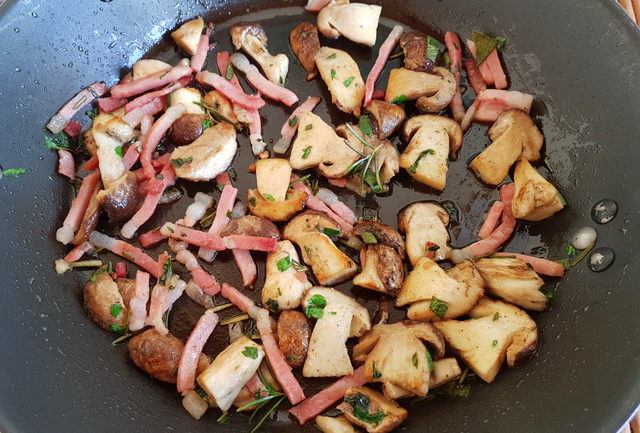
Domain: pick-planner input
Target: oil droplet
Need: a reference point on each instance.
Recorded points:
(16, 29)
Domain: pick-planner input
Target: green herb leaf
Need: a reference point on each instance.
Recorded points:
(300, 179)
(370, 214)
(376, 373)
(284, 263)
(434, 247)
(433, 48)
(548, 293)
(438, 307)
(333, 74)
(232, 173)
(97, 272)
(414, 167)
(446, 59)
(315, 306)
(229, 214)
(224, 418)
(117, 328)
(330, 232)
(206, 123)
(272, 304)
(561, 198)
(293, 121)
(13, 172)
(398, 99)
(119, 151)
(179, 162)
(485, 44)
(269, 197)
(167, 272)
(292, 357)
(360, 404)
(91, 113)
(252, 201)
(309, 127)
(229, 72)
(452, 210)
(332, 56)
(348, 81)
(306, 152)
(115, 309)
(496, 316)
(429, 361)
(414, 360)
(454, 389)
(59, 141)
(369, 238)
(494, 343)
(250, 352)
(571, 251)
(365, 125)
(281, 80)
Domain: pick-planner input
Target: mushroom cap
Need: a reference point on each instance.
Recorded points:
(99, 296)
(382, 270)
(251, 225)
(444, 95)
(450, 126)
(409, 85)
(305, 44)
(244, 33)
(394, 414)
(414, 46)
(121, 198)
(384, 234)
(531, 138)
(187, 128)
(283, 288)
(535, 197)
(388, 117)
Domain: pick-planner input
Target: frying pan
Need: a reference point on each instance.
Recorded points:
(581, 59)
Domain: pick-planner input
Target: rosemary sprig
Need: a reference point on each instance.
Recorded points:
(362, 166)
(261, 401)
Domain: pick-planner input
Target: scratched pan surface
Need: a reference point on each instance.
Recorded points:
(59, 372)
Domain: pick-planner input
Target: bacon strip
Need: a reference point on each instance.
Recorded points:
(194, 237)
(66, 164)
(84, 97)
(261, 83)
(78, 251)
(455, 52)
(499, 77)
(474, 76)
(135, 116)
(121, 269)
(385, 51)
(147, 98)
(91, 164)
(491, 220)
(138, 303)
(110, 104)
(288, 130)
(314, 406)
(315, 203)
(246, 265)
(541, 266)
(73, 129)
(157, 131)
(483, 67)
(79, 205)
(131, 155)
(227, 199)
(253, 243)
(492, 102)
(206, 281)
(127, 251)
(144, 84)
(255, 133)
(158, 299)
(251, 102)
(150, 238)
(192, 350)
(198, 59)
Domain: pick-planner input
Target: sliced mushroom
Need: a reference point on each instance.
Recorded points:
(251, 225)
(355, 21)
(329, 264)
(187, 128)
(231, 370)
(342, 76)
(284, 285)
(105, 304)
(513, 134)
(293, 203)
(425, 227)
(121, 198)
(387, 117)
(414, 47)
(340, 318)
(208, 156)
(384, 414)
(272, 178)
(190, 98)
(187, 36)
(305, 44)
(433, 92)
(293, 337)
(337, 424)
(220, 108)
(395, 354)
(514, 281)
(458, 288)
(498, 330)
(536, 198)
(159, 355)
(444, 370)
(382, 234)
(450, 126)
(145, 67)
(252, 38)
(318, 145)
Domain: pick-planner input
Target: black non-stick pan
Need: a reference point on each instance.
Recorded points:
(581, 60)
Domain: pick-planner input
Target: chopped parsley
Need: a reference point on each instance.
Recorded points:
(129, 256)
(229, 214)
(438, 307)
(59, 141)
(361, 404)
(496, 316)
(398, 99)
(494, 343)
(91, 114)
(179, 162)
(119, 151)
(252, 201)
(250, 352)
(220, 186)
(348, 81)
(117, 328)
(446, 59)
(332, 56)
(571, 251)
(309, 127)
(293, 121)
(306, 152)
(333, 74)
(269, 197)
(376, 374)
(272, 304)
(433, 48)
(232, 173)
(330, 232)
(365, 125)
(281, 80)
(452, 210)
(414, 167)
(432, 247)
(206, 123)
(486, 44)
(315, 306)
(13, 172)
(369, 238)
(548, 293)
(167, 272)
(97, 272)
(115, 309)
(229, 72)
(429, 361)
(454, 389)
(414, 360)
(284, 263)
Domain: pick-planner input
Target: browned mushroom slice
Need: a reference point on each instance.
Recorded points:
(371, 410)
(121, 198)
(220, 108)
(536, 198)
(188, 34)
(293, 337)
(450, 126)
(425, 227)
(414, 46)
(305, 44)
(432, 91)
(382, 270)
(293, 203)
(284, 285)
(387, 117)
(90, 218)
(380, 233)
(252, 38)
(444, 95)
(251, 225)
(355, 21)
(187, 128)
(104, 302)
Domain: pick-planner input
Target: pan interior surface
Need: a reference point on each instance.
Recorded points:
(60, 372)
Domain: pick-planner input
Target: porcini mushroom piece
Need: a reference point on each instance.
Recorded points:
(444, 370)
(284, 285)
(355, 21)
(514, 281)
(450, 126)
(387, 117)
(220, 108)
(272, 178)
(252, 38)
(425, 227)
(145, 67)
(293, 203)
(395, 354)
(426, 157)
(251, 225)
(208, 156)
(498, 330)
(536, 198)
(293, 337)
(337, 424)
(414, 47)
(433, 91)
(190, 98)
(380, 234)
(309, 231)
(305, 44)
(339, 317)
(513, 134)
(342, 76)
(459, 289)
(187, 36)
(121, 198)
(444, 95)
(187, 128)
(104, 303)
(318, 145)
(371, 410)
